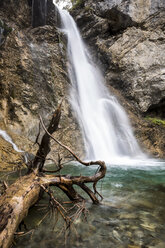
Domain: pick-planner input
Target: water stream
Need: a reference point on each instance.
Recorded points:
(131, 214)
(6, 137)
(105, 126)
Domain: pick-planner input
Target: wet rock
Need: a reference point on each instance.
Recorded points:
(1, 35)
(53, 17)
(158, 245)
(39, 11)
(9, 158)
(134, 246)
(128, 216)
(33, 78)
(139, 234)
(149, 226)
(116, 235)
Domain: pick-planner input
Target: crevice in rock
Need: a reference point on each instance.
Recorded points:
(118, 21)
(157, 110)
(30, 3)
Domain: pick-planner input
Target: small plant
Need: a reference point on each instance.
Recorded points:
(156, 121)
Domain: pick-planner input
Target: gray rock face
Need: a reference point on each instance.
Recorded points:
(140, 55)
(33, 79)
(130, 42)
(137, 10)
(39, 12)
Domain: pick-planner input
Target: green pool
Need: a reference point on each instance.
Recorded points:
(132, 213)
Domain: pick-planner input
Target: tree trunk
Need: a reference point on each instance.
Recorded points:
(14, 206)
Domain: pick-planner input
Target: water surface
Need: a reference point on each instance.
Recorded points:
(132, 213)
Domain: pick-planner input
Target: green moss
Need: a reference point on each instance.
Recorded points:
(156, 121)
(77, 4)
(88, 8)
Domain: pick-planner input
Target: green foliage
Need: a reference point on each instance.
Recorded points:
(156, 121)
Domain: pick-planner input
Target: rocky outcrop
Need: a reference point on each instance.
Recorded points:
(127, 40)
(9, 158)
(139, 54)
(130, 41)
(33, 77)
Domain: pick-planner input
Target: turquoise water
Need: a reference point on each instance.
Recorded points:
(132, 213)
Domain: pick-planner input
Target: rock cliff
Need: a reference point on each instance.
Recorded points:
(33, 75)
(127, 39)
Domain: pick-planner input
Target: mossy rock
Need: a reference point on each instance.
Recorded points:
(156, 121)
(77, 4)
(88, 8)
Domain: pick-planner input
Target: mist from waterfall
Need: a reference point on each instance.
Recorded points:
(106, 129)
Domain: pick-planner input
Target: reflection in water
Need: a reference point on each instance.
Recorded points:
(131, 214)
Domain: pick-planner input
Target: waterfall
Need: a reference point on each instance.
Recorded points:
(6, 137)
(106, 129)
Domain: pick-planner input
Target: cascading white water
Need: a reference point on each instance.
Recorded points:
(6, 137)
(105, 126)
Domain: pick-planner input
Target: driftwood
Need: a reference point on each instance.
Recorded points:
(24, 193)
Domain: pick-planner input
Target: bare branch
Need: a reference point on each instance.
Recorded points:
(44, 147)
(37, 137)
(100, 174)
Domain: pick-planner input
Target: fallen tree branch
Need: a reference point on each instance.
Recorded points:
(24, 193)
(99, 175)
